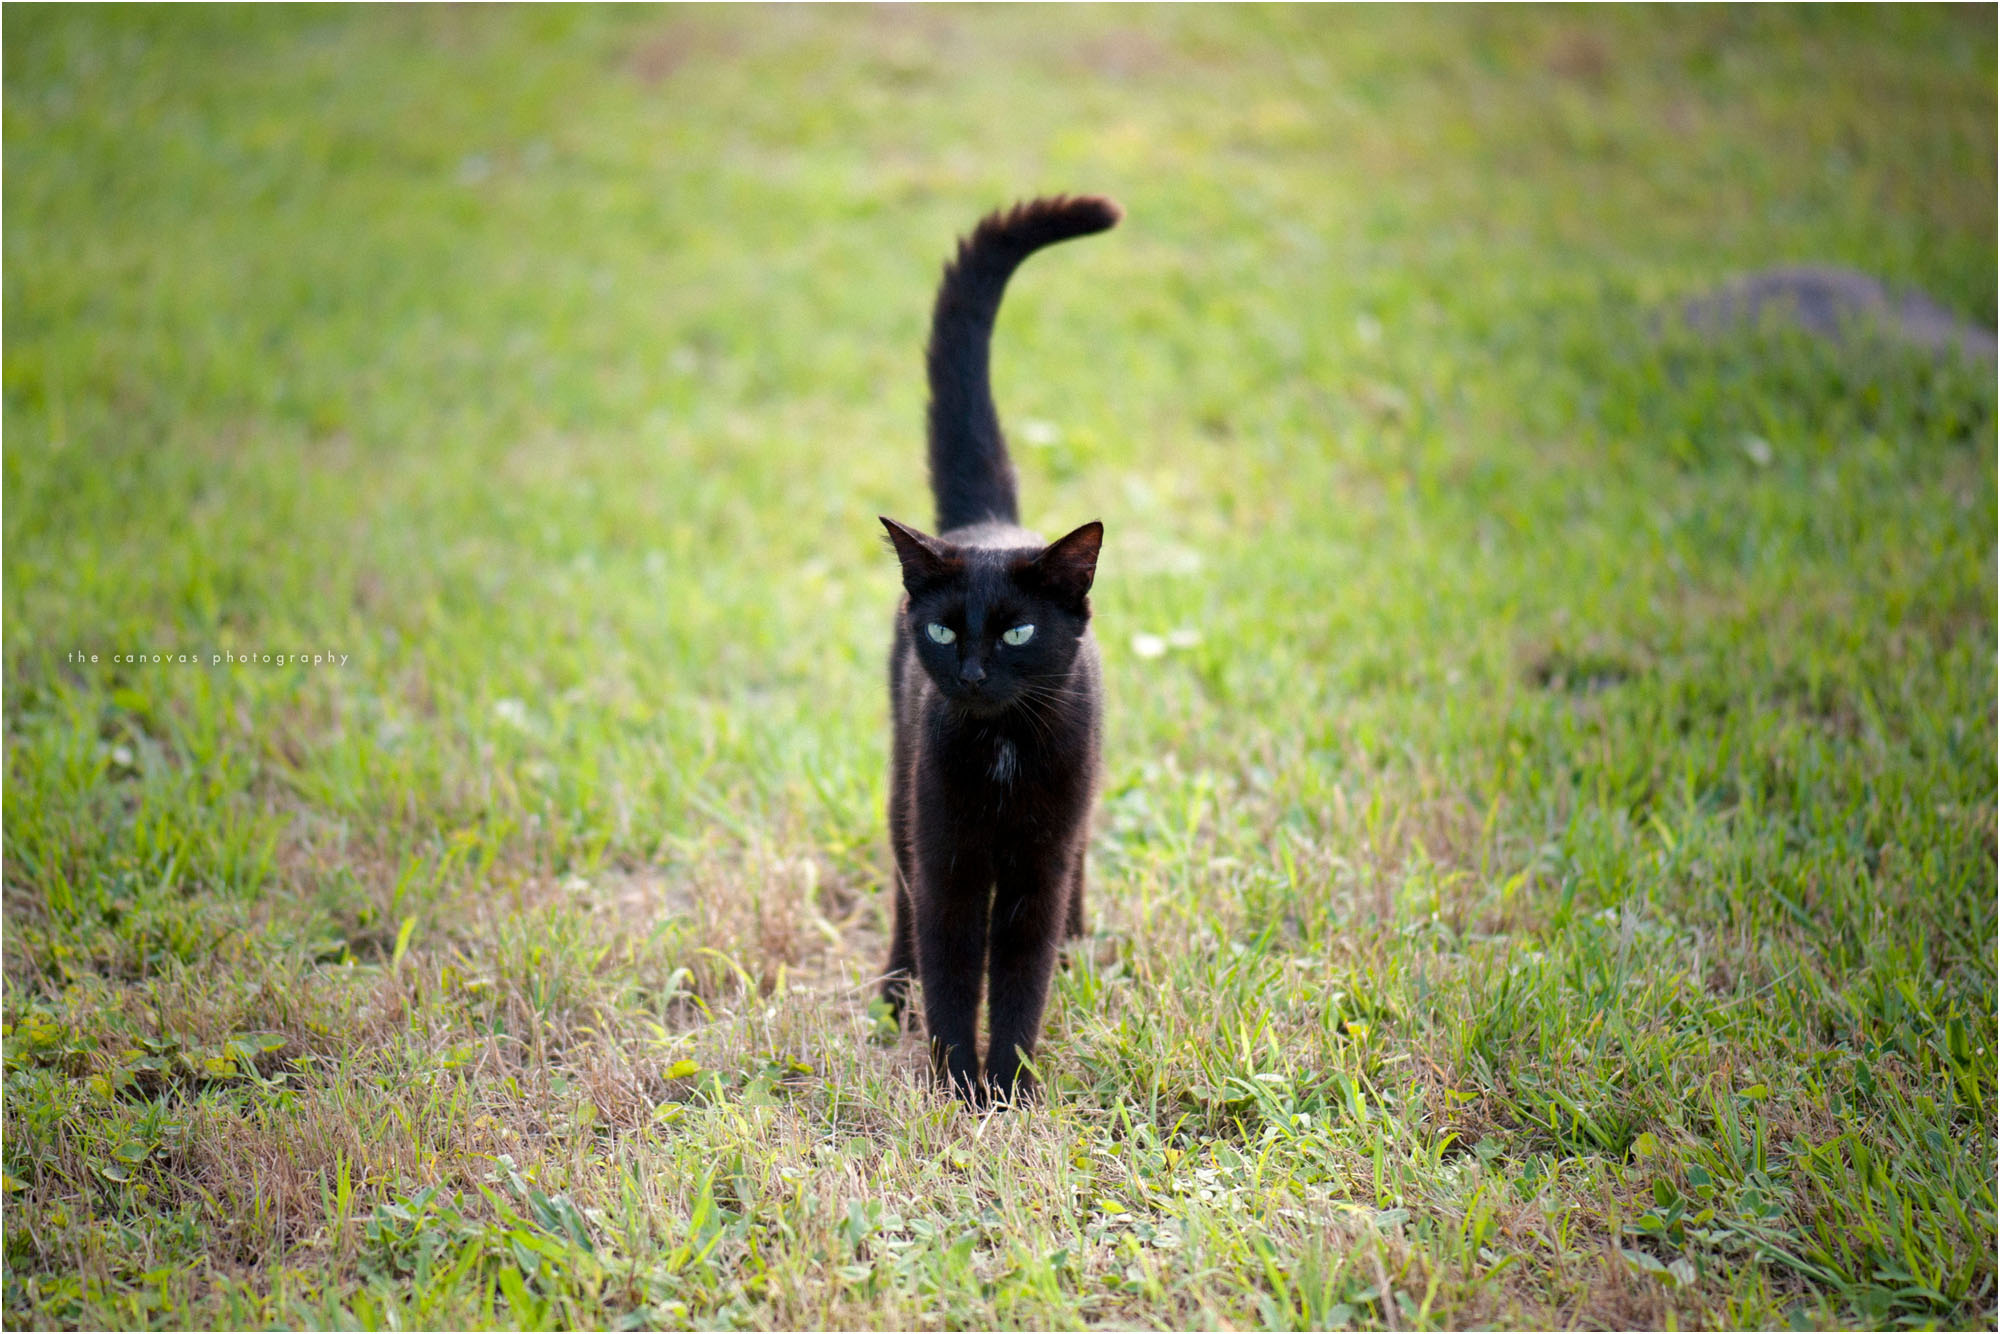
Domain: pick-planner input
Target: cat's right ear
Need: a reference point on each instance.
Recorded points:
(927, 561)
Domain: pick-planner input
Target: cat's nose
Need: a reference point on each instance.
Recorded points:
(971, 672)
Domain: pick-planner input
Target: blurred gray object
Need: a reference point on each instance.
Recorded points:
(1835, 303)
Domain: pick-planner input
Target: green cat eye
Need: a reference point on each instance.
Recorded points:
(1020, 634)
(939, 634)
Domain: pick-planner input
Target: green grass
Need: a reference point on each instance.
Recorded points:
(1554, 887)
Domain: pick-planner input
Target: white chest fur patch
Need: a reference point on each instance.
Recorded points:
(1004, 763)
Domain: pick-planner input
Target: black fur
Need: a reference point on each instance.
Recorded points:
(995, 747)
(970, 474)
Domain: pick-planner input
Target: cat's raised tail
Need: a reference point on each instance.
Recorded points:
(970, 472)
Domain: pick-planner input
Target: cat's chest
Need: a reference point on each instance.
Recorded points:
(997, 763)
(1006, 762)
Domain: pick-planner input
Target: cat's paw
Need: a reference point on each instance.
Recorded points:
(1017, 1090)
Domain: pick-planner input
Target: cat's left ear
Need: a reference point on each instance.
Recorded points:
(1067, 565)
(927, 561)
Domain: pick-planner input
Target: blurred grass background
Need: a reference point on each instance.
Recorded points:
(1571, 788)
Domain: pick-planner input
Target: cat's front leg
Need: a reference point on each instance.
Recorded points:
(1030, 910)
(951, 898)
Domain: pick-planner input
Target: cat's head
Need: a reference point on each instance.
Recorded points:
(997, 627)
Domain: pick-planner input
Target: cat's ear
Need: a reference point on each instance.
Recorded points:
(927, 561)
(1067, 565)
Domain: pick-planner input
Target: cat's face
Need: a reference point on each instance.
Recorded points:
(997, 629)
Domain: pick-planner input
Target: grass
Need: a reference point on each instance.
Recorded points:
(1549, 880)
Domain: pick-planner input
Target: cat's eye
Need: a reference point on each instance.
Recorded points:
(1019, 635)
(939, 634)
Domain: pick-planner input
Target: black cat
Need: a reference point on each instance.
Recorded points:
(993, 683)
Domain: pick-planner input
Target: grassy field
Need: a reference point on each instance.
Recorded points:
(1545, 872)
